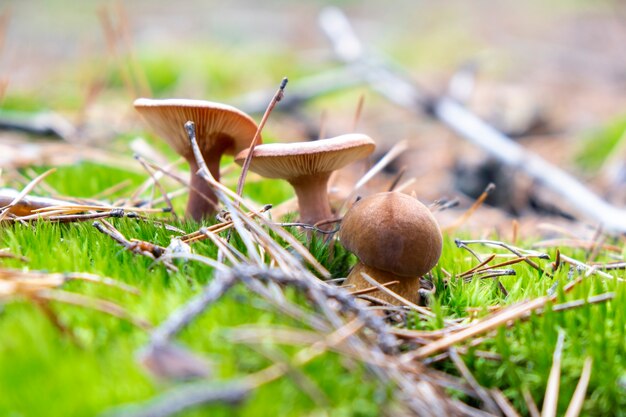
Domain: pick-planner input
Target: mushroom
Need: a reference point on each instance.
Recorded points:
(396, 238)
(220, 129)
(307, 167)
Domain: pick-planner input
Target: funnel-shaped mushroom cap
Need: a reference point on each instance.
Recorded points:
(393, 232)
(214, 122)
(302, 159)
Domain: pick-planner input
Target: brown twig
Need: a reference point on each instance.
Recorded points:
(246, 163)
(398, 87)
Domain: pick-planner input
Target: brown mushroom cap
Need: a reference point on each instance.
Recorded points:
(393, 232)
(214, 122)
(291, 161)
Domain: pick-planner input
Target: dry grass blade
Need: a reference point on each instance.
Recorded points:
(282, 335)
(397, 150)
(181, 317)
(576, 404)
(24, 193)
(551, 397)
(193, 257)
(158, 184)
(113, 189)
(219, 227)
(493, 267)
(491, 322)
(230, 392)
(482, 393)
(223, 193)
(304, 383)
(77, 208)
(358, 112)
(104, 280)
(480, 265)
(503, 403)
(372, 289)
(533, 411)
(470, 211)
(522, 253)
(588, 268)
(422, 310)
(5, 254)
(104, 306)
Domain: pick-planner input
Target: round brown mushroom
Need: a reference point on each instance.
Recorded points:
(220, 129)
(307, 167)
(396, 238)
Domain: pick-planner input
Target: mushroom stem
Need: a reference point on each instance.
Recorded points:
(408, 287)
(202, 202)
(312, 193)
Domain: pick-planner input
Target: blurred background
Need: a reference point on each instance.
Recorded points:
(551, 75)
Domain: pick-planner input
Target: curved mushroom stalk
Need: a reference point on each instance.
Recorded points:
(202, 201)
(407, 287)
(307, 166)
(312, 193)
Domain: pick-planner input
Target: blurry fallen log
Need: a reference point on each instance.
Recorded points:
(388, 80)
(28, 204)
(302, 91)
(42, 124)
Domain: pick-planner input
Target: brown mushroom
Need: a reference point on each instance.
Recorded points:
(396, 238)
(220, 129)
(307, 167)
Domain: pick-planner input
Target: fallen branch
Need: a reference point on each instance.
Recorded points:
(396, 86)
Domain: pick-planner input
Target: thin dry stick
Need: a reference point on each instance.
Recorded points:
(515, 250)
(234, 391)
(480, 327)
(576, 404)
(397, 150)
(397, 178)
(159, 185)
(583, 265)
(468, 213)
(180, 318)
(422, 310)
(503, 403)
(482, 393)
(282, 233)
(113, 189)
(357, 113)
(133, 62)
(304, 383)
(94, 303)
(222, 192)
(246, 163)
(480, 265)
(372, 289)
(551, 398)
(406, 184)
(323, 124)
(530, 403)
(111, 37)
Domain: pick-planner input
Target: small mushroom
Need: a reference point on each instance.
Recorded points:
(220, 129)
(396, 238)
(307, 167)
